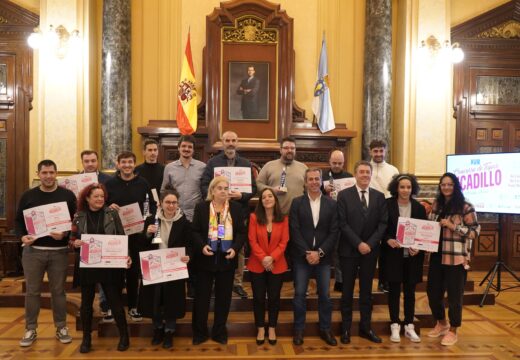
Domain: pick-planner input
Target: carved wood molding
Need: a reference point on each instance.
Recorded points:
(15, 19)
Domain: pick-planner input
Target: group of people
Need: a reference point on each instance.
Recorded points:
(300, 222)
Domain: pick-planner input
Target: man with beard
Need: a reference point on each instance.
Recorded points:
(184, 175)
(124, 189)
(336, 171)
(48, 254)
(150, 169)
(382, 173)
(286, 176)
(229, 158)
(362, 218)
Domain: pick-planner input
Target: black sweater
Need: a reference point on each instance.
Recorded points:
(36, 197)
(153, 173)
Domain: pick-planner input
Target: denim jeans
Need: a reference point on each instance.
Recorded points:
(302, 272)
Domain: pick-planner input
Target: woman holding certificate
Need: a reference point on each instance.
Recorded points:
(268, 237)
(403, 265)
(165, 302)
(218, 234)
(94, 217)
(447, 271)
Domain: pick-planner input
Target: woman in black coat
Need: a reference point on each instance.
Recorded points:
(404, 266)
(94, 217)
(218, 235)
(165, 302)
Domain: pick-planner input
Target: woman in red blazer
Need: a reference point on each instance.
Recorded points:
(268, 237)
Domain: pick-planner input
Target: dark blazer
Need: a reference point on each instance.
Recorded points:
(180, 236)
(262, 247)
(393, 258)
(303, 231)
(200, 227)
(355, 227)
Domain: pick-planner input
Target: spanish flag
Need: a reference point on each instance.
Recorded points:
(187, 95)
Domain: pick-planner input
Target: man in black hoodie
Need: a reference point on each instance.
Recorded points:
(124, 189)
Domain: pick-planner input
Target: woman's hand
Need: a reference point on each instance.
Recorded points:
(151, 229)
(447, 223)
(27, 240)
(267, 262)
(230, 254)
(412, 251)
(393, 243)
(185, 259)
(206, 250)
(128, 262)
(77, 243)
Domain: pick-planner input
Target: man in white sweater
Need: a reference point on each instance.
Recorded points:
(382, 172)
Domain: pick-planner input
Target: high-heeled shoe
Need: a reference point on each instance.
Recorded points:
(260, 341)
(271, 340)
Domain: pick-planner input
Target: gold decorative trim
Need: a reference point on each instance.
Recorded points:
(508, 30)
(3, 20)
(249, 29)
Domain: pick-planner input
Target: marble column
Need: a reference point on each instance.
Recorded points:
(116, 100)
(377, 101)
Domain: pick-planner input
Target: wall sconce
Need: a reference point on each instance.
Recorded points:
(58, 39)
(434, 48)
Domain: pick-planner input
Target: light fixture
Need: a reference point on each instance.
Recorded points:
(57, 39)
(432, 47)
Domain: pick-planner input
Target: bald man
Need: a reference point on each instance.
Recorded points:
(229, 158)
(336, 171)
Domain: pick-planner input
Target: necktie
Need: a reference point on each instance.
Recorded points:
(364, 204)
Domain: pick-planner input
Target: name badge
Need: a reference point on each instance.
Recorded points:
(220, 231)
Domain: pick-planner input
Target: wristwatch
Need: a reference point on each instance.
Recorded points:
(321, 253)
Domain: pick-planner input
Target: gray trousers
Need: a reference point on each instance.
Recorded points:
(35, 263)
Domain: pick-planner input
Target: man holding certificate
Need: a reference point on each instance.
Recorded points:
(44, 254)
(230, 159)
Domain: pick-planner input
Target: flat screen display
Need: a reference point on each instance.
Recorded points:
(491, 182)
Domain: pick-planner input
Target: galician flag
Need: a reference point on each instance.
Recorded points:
(187, 95)
(321, 105)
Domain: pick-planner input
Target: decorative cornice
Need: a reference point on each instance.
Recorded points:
(249, 29)
(507, 30)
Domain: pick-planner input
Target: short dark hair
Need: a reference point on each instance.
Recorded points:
(149, 142)
(186, 138)
(125, 155)
(88, 152)
(362, 162)
(261, 217)
(312, 169)
(47, 162)
(377, 143)
(393, 186)
(287, 139)
(168, 190)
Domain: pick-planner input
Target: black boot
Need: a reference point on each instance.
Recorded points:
(124, 341)
(86, 343)
(168, 340)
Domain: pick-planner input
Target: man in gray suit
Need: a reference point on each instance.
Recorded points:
(362, 220)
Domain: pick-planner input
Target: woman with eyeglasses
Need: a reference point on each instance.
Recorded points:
(404, 266)
(94, 217)
(165, 302)
(447, 271)
(218, 234)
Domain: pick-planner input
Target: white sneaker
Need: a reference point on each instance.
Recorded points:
(395, 329)
(108, 317)
(62, 334)
(28, 338)
(134, 315)
(409, 332)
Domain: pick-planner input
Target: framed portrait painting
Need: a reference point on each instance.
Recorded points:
(248, 91)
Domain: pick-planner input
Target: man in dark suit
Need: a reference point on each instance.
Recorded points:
(314, 232)
(248, 88)
(362, 217)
